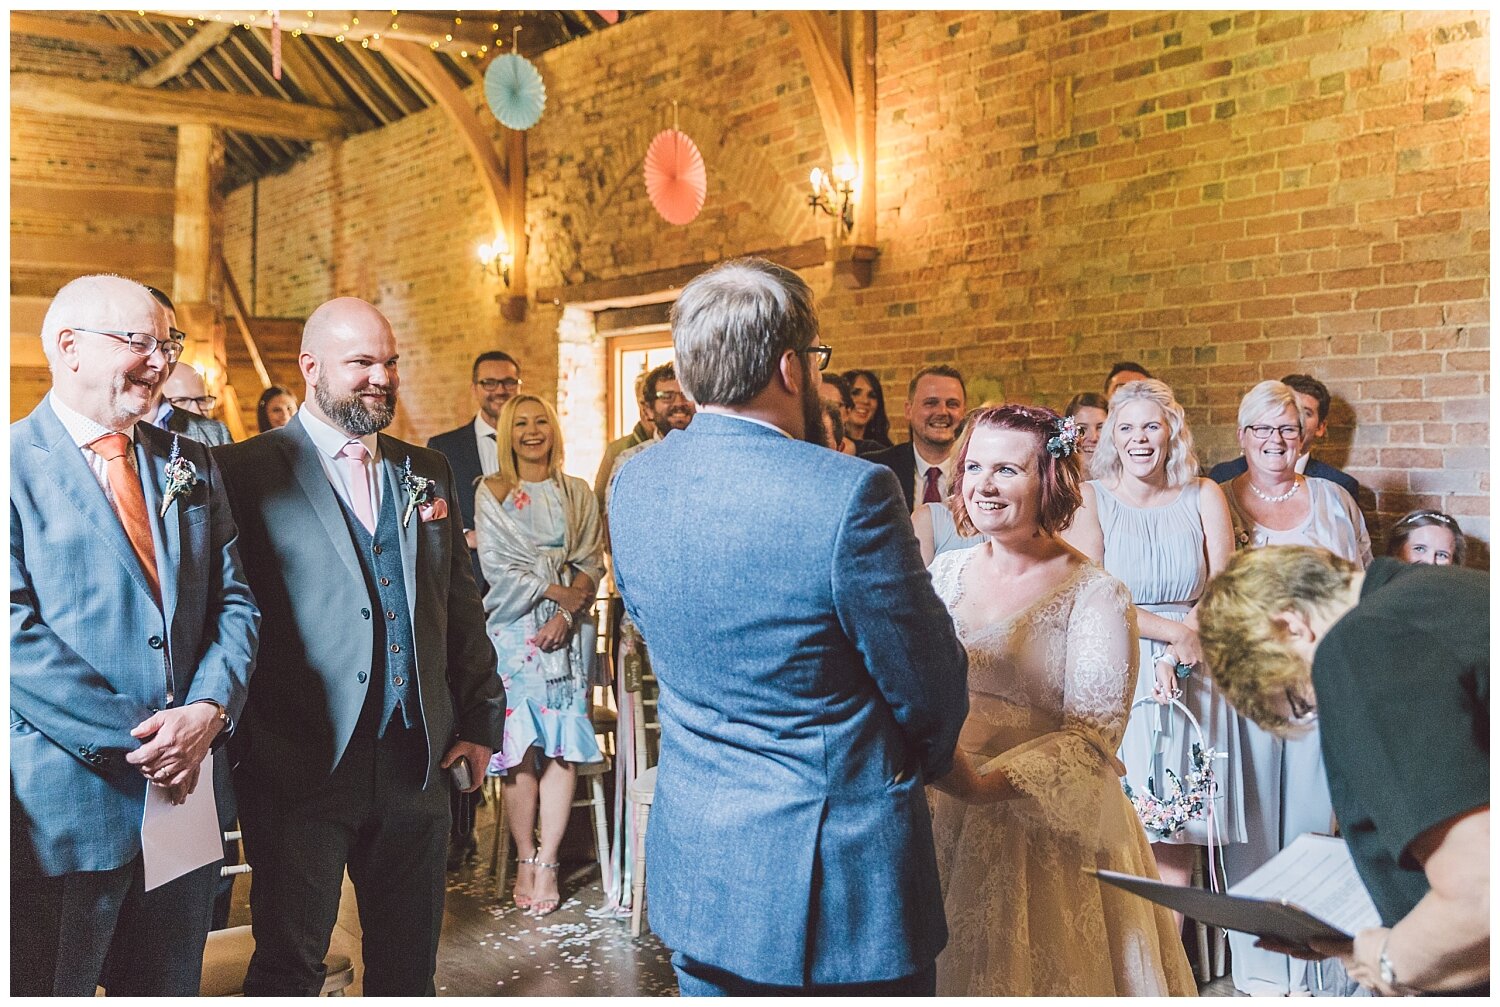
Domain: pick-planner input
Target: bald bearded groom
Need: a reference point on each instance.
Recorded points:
(378, 675)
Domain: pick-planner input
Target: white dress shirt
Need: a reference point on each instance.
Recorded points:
(945, 480)
(489, 451)
(330, 442)
(84, 432)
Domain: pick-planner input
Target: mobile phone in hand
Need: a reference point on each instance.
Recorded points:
(463, 776)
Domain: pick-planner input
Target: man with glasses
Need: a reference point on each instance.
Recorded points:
(183, 404)
(811, 681)
(1313, 402)
(671, 410)
(133, 634)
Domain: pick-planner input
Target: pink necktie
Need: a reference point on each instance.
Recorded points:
(931, 494)
(354, 455)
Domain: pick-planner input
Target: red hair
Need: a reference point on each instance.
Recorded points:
(1062, 478)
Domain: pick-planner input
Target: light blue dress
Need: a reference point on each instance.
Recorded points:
(1160, 555)
(548, 709)
(945, 534)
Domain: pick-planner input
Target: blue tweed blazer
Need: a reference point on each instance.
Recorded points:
(811, 683)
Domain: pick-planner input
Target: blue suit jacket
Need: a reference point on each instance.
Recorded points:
(811, 683)
(462, 452)
(1235, 467)
(91, 654)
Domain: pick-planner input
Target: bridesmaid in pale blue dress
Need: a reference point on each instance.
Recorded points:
(937, 533)
(541, 552)
(1286, 788)
(1152, 522)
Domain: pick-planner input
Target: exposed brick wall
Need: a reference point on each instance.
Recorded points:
(1227, 198)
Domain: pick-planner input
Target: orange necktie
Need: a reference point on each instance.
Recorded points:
(130, 503)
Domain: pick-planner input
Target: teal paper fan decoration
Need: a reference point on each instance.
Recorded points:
(514, 90)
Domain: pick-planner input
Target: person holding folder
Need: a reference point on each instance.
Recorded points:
(1392, 664)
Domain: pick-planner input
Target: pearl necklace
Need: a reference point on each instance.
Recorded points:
(1276, 499)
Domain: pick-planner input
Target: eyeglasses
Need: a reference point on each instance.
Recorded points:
(671, 397)
(144, 344)
(1263, 431)
(204, 402)
(490, 384)
(824, 354)
(1302, 710)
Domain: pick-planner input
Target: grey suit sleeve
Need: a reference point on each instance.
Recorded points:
(887, 607)
(54, 689)
(478, 695)
(223, 672)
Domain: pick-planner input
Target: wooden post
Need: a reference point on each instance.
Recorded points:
(513, 303)
(198, 240)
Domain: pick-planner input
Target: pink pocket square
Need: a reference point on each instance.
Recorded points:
(437, 510)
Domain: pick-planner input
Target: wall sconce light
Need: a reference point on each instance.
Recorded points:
(497, 258)
(834, 193)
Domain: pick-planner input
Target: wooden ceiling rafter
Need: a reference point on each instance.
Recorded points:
(281, 151)
(379, 79)
(180, 59)
(38, 24)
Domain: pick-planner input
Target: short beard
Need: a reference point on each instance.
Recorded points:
(812, 410)
(352, 415)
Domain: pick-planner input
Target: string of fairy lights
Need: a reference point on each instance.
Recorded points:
(288, 21)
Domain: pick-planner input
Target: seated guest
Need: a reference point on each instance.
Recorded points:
(275, 409)
(1427, 536)
(1052, 666)
(540, 546)
(1089, 410)
(1122, 373)
(867, 420)
(935, 403)
(1393, 665)
(1312, 401)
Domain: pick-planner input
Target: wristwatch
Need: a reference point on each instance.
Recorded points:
(1387, 970)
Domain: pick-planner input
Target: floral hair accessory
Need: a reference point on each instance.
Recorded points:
(1065, 441)
(418, 491)
(182, 476)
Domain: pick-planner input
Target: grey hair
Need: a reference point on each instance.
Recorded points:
(1269, 397)
(1182, 459)
(732, 324)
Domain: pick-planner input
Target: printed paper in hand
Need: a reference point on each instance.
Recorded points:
(1316, 873)
(178, 838)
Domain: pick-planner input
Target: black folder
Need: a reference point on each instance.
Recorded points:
(1275, 918)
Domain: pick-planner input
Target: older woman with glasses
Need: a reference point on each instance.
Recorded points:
(1392, 663)
(1426, 536)
(1286, 792)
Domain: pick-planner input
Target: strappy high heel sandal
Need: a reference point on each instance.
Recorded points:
(545, 907)
(522, 901)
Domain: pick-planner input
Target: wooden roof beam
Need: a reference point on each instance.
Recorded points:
(41, 26)
(91, 99)
(419, 27)
(177, 63)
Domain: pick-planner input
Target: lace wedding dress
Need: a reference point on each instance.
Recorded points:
(1049, 692)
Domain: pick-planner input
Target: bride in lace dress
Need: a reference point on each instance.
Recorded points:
(1052, 667)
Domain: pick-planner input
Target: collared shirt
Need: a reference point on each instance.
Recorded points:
(944, 481)
(763, 423)
(1302, 461)
(489, 451)
(84, 432)
(330, 442)
(164, 411)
